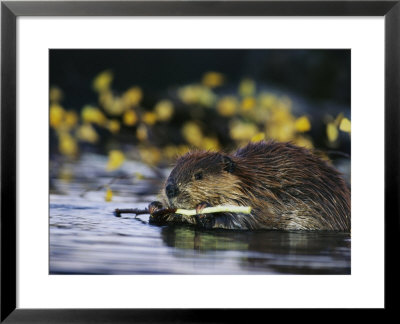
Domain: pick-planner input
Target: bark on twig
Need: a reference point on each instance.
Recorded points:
(186, 212)
(137, 211)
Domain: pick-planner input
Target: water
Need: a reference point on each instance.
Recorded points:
(86, 238)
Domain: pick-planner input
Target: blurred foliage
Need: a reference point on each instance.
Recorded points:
(194, 115)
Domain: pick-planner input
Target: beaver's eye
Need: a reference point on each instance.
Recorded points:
(198, 175)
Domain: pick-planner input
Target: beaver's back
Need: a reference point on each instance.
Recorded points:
(291, 188)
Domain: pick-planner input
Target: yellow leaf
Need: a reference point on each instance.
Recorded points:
(282, 132)
(141, 132)
(302, 124)
(243, 131)
(210, 144)
(67, 145)
(109, 194)
(282, 116)
(106, 100)
(206, 97)
(55, 94)
(113, 126)
(133, 96)
(304, 142)
(247, 88)
(164, 110)
(345, 125)
(192, 133)
(115, 159)
(213, 79)
(71, 118)
(87, 133)
(103, 81)
(196, 94)
(92, 114)
(248, 103)
(149, 118)
(188, 94)
(116, 107)
(267, 100)
(150, 155)
(227, 106)
(338, 119)
(332, 132)
(258, 137)
(130, 117)
(56, 115)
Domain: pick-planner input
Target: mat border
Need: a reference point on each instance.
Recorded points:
(10, 10)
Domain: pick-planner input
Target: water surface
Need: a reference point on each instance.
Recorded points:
(86, 238)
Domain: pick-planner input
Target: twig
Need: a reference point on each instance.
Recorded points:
(137, 211)
(216, 209)
(118, 212)
(186, 212)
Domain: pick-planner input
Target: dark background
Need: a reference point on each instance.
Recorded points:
(318, 75)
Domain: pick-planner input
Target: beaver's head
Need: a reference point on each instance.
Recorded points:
(203, 177)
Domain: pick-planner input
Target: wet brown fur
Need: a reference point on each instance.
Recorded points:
(288, 188)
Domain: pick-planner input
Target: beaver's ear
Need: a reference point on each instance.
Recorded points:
(229, 165)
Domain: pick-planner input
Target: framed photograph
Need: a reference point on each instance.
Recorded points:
(177, 155)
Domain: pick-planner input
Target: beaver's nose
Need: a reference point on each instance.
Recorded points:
(171, 190)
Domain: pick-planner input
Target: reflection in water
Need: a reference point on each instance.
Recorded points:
(85, 237)
(284, 252)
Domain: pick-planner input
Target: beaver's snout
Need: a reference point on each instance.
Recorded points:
(171, 190)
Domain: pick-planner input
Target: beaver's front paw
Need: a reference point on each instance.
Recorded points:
(155, 206)
(204, 220)
(201, 206)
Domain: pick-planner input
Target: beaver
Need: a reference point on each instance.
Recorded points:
(288, 188)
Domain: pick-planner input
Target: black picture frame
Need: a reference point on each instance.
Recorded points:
(10, 10)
